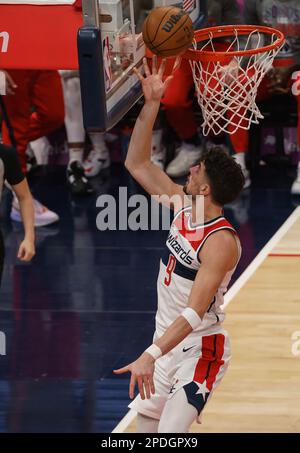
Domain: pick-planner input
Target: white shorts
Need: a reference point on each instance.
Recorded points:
(197, 365)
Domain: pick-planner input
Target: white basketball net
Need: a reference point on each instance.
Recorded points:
(227, 92)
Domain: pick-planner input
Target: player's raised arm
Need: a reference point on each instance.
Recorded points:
(138, 162)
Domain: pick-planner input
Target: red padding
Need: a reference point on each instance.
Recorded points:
(40, 37)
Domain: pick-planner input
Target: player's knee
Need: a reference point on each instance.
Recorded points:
(174, 425)
(178, 414)
(177, 422)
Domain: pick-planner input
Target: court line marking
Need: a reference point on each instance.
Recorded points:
(125, 422)
(232, 292)
(284, 255)
(262, 255)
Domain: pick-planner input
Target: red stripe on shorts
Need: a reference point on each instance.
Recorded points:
(217, 363)
(210, 361)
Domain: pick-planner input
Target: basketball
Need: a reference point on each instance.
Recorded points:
(168, 31)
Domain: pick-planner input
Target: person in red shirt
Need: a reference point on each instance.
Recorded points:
(35, 107)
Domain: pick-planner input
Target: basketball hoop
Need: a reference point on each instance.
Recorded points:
(227, 73)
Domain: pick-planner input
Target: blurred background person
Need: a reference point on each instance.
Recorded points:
(35, 108)
(98, 159)
(283, 15)
(11, 172)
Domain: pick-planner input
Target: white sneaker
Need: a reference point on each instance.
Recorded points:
(187, 156)
(95, 162)
(247, 178)
(159, 160)
(31, 162)
(158, 156)
(240, 158)
(41, 149)
(158, 151)
(295, 190)
(42, 215)
(240, 208)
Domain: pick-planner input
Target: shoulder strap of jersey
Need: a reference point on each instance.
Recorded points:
(221, 224)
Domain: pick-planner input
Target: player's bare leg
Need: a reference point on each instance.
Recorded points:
(146, 424)
(178, 414)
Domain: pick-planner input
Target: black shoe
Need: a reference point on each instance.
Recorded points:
(78, 183)
(31, 162)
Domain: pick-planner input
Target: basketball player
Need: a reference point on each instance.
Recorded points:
(177, 374)
(10, 170)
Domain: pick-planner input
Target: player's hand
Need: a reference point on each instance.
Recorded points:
(10, 84)
(26, 250)
(142, 371)
(153, 84)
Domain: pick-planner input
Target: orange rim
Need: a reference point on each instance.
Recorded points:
(229, 30)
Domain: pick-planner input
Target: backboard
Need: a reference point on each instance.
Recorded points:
(116, 47)
(42, 34)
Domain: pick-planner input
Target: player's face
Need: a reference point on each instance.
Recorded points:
(196, 180)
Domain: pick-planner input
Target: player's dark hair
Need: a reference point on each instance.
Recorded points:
(225, 175)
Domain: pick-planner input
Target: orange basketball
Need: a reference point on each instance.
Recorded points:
(168, 31)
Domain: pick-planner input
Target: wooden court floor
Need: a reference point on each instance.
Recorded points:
(261, 391)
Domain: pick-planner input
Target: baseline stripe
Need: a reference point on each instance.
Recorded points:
(258, 260)
(289, 255)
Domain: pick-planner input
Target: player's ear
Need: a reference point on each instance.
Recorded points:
(205, 189)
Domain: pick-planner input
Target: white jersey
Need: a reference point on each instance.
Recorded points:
(178, 269)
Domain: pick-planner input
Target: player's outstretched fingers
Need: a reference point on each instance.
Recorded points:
(152, 386)
(146, 67)
(141, 387)
(125, 369)
(177, 63)
(132, 386)
(162, 68)
(167, 81)
(147, 387)
(138, 74)
(154, 65)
